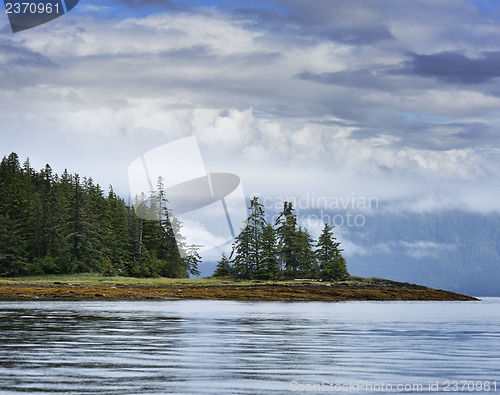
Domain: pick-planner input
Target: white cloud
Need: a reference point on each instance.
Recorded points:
(119, 87)
(416, 249)
(421, 249)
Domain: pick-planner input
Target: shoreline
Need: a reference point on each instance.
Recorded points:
(366, 290)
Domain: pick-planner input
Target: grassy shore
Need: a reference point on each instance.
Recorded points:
(99, 279)
(98, 287)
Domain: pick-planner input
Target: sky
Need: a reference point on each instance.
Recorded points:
(388, 99)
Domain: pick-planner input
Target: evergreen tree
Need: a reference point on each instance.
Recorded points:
(45, 212)
(13, 260)
(13, 227)
(173, 262)
(116, 238)
(136, 220)
(85, 244)
(288, 248)
(65, 224)
(240, 255)
(247, 247)
(332, 263)
(161, 250)
(192, 260)
(307, 263)
(223, 268)
(269, 266)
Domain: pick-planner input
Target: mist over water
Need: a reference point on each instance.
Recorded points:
(244, 347)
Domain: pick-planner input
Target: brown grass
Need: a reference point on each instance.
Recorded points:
(359, 289)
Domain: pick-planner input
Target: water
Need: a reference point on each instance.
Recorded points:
(214, 347)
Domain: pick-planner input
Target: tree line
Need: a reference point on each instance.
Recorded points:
(282, 251)
(56, 224)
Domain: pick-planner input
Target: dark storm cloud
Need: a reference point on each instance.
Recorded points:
(357, 78)
(157, 4)
(207, 55)
(455, 67)
(353, 22)
(448, 136)
(431, 136)
(477, 133)
(19, 56)
(22, 67)
(196, 52)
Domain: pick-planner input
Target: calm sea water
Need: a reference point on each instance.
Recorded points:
(213, 347)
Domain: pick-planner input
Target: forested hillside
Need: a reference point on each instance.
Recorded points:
(52, 224)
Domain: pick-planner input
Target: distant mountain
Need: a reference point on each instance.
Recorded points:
(453, 250)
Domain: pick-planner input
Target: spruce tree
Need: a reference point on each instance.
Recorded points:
(240, 255)
(176, 262)
(13, 227)
(307, 263)
(64, 224)
(332, 263)
(117, 241)
(247, 246)
(192, 260)
(286, 231)
(223, 268)
(269, 267)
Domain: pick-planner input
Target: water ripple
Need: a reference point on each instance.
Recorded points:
(241, 348)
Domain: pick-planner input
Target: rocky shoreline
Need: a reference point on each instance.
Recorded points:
(366, 290)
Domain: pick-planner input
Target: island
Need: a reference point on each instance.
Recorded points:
(62, 237)
(116, 288)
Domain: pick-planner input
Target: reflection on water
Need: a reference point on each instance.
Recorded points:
(242, 347)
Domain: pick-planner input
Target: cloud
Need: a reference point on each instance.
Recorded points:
(21, 66)
(455, 67)
(376, 97)
(164, 4)
(364, 79)
(418, 249)
(424, 248)
(337, 21)
(15, 56)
